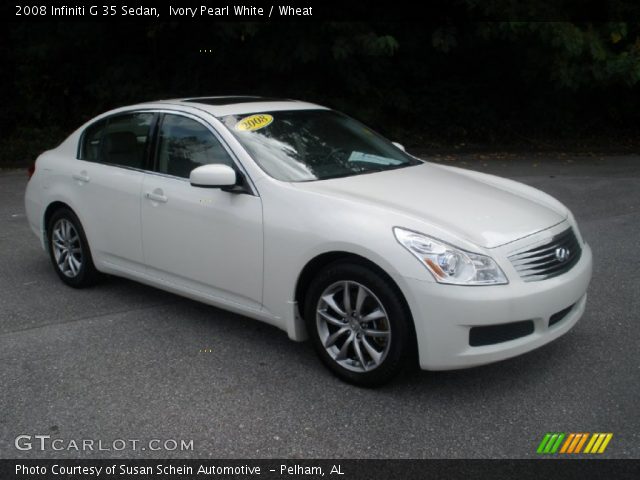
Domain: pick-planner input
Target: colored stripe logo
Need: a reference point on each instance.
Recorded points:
(572, 443)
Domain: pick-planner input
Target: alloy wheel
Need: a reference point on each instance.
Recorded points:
(67, 248)
(353, 326)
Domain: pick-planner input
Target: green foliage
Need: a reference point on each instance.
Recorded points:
(438, 83)
(580, 55)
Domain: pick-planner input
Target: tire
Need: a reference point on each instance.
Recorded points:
(65, 234)
(375, 321)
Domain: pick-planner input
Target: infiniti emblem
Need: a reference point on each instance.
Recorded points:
(562, 254)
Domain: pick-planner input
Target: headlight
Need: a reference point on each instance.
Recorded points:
(449, 264)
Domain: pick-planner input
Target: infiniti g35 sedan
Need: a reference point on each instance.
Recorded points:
(300, 216)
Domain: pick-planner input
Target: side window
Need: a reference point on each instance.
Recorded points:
(184, 144)
(120, 140)
(91, 141)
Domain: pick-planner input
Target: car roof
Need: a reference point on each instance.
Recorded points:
(219, 106)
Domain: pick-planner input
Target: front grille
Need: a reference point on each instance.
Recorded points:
(550, 259)
(492, 334)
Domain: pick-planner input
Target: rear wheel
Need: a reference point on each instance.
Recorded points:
(69, 250)
(359, 326)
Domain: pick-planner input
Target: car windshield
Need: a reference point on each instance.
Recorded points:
(305, 145)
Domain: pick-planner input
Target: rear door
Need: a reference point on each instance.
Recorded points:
(108, 179)
(204, 240)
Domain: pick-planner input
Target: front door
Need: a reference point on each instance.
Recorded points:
(203, 239)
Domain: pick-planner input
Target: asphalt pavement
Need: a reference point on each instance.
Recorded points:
(130, 362)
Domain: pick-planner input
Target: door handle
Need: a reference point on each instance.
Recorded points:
(81, 177)
(156, 197)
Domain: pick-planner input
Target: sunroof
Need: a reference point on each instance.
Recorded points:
(229, 100)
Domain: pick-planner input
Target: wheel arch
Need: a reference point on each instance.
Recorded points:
(316, 264)
(48, 213)
(52, 208)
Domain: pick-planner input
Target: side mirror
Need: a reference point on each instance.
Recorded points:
(213, 176)
(400, 146)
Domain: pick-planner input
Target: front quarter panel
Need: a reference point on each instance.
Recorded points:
(293, 237)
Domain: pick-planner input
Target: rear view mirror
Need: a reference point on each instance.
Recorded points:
(213, 176)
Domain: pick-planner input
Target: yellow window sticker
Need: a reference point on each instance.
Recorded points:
(254, 122)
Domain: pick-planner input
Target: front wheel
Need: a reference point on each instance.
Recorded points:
(358, 324)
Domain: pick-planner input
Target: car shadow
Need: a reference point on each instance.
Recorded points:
(265, 344)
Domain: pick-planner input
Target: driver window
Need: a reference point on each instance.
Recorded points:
(184, 144)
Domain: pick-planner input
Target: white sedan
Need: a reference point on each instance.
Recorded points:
(299, 216)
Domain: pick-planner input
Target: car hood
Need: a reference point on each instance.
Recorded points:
(485, 210)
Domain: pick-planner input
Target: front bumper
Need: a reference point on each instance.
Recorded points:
(444, 315)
